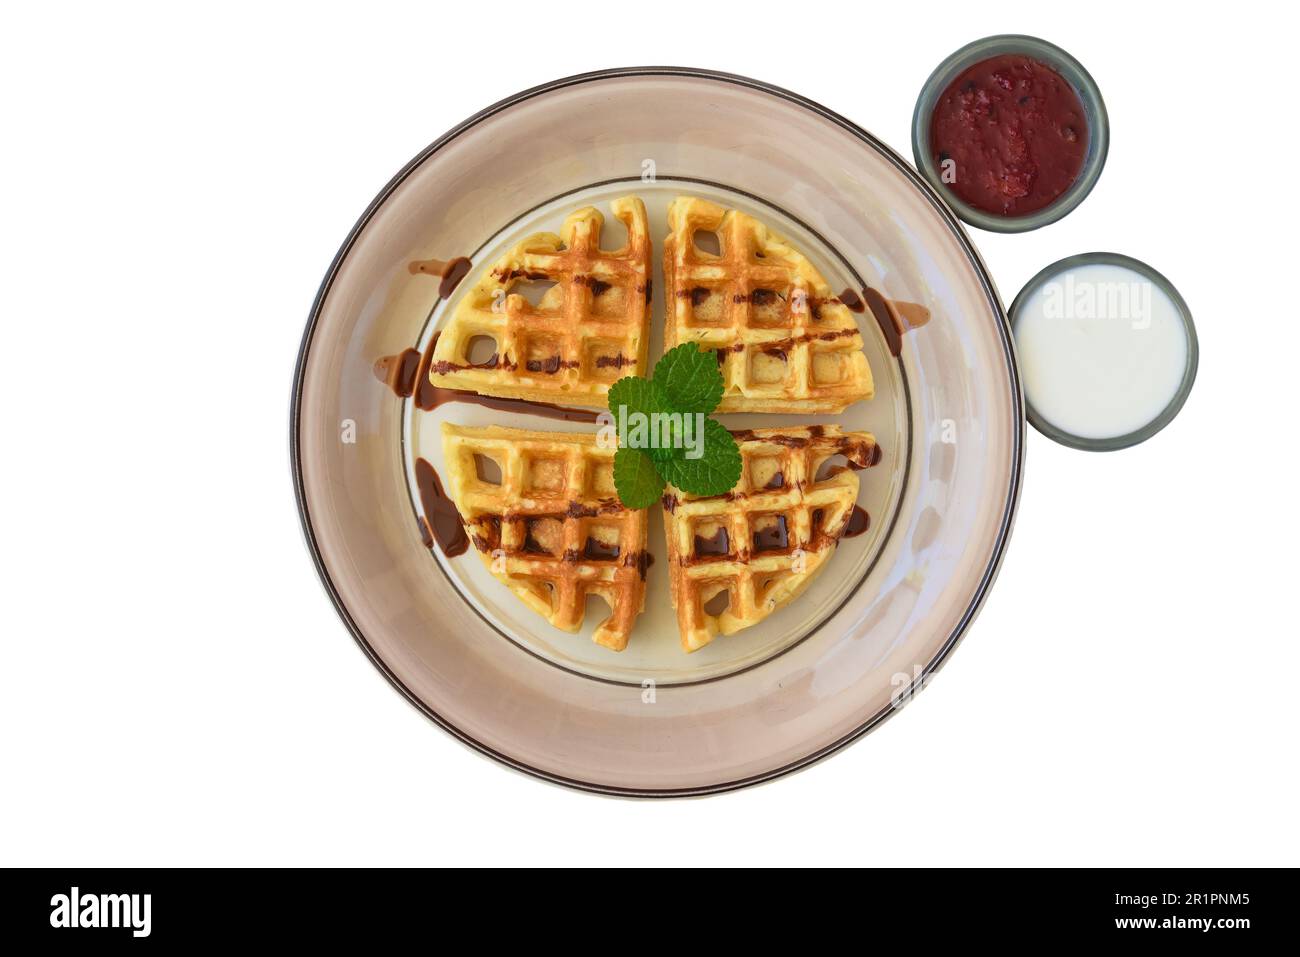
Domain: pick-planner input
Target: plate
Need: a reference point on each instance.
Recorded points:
(652, 720)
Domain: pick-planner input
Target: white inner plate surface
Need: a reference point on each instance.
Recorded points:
(654, 652)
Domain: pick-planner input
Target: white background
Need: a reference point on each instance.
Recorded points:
(175, 687)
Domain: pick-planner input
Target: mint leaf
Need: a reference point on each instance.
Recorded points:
(716, 472)
(636, 394)
(689, 379)
(634, 402)
(636, 479)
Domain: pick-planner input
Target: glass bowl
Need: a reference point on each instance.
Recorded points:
(1115, 442)
(838, 661)
(1064, 64)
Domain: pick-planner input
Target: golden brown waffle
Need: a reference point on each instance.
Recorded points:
(586, 331)
(552, 529)
(764, 541)
(784, 341)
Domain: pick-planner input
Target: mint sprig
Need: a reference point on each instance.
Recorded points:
(715, 472)
(685, 386)
(637, 480)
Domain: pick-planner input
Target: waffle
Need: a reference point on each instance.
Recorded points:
(784, 341)
(764, 541)
(586, 331)
(552, 529)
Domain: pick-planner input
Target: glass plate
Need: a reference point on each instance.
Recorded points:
(815, 675)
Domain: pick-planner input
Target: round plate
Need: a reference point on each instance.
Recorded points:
(817, 674)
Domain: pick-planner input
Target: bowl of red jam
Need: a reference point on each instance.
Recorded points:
(1012, 132)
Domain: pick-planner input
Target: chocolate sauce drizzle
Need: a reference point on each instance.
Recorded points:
(774, 537)
(451, 272)
(885, 320)
(399, 372)
(782, 346)
(441, 523)
(598, 551)
(716, 544)
(550, 365)
(407, 374)
(859, 453)
(852, 300)
(859, 521)
(593, 549)
(532, 275)
(597, 286)
(854, 524)
(895, 318)
(641, 560)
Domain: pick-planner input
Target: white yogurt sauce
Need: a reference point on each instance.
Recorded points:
(1102, 350)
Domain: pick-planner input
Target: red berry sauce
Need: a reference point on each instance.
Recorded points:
(1009, 135)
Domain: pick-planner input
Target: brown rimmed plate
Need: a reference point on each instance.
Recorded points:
(890, 606)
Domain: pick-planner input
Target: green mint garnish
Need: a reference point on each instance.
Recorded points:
(715, 472)
(636, 478)
(638, 395)
(659, 422)
(689, 379)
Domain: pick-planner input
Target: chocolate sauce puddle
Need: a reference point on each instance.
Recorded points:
(441, 523)
(895, 318)
(717, 544)
(451, 272)
(888, 328)
(859, 522)
(772, 538)
(399, 372)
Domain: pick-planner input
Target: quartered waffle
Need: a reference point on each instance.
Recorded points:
(586, 331)
(552, 528)
(764, 541)
(784, 341)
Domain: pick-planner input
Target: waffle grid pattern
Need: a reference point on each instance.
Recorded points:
(587, 330)
(785, 342)
(765, 563)
(549, 528)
